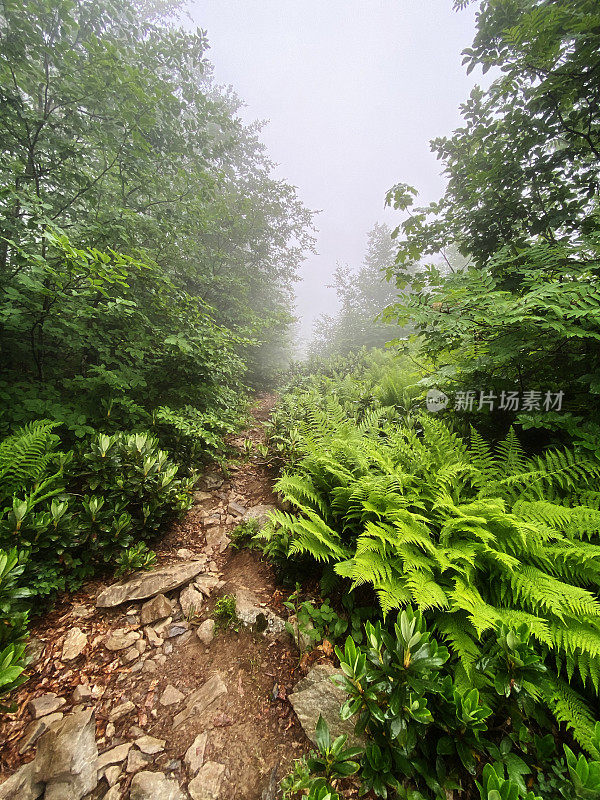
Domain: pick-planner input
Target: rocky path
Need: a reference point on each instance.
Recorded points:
(134, 694)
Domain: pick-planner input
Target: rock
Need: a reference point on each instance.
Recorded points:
(22, 785)
(186, 554)
(148, 584)
(250, 613)
(114, 793)
(141, 646)
(111, 775)
(66, 757)
(45, 704)
(168, 648)
(121, 710)
(116, 755)
(150, 666)
(154, 786)
(153, 638)
(136, 760)
(206, 584)
(81, 611)
(110, 730)
(170, 696)
(270, 791)
(130, 655)
(212, 481)
(302, 640)
(191, 601)
(161, 627)
(194, 757)
(201, 497)
(317, 694)
(216, 539)
(81, 693)
(150, 745)
(200, 699)
(178, 629)
(35, 649)
(260, 513)
(207, 783)
(37, 728)
(120, 639)
(74, 644)
(236, 510)
(157, 608)
(206, 631)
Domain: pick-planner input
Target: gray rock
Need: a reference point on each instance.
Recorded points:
(194, 756)
(37, 728)
(317, 694)
(206, 631)
(171, 696)
(74, 644)
(168, 648)
(157, 608)
(217, 539)
(201, 497)
(206, 584)
(150, 745)
(121, 639)
(148, 584)
(191, 600)
(114, 793)
(212, 481)
(45, 704)
(111, 774)
(136, 760)
(207, 783)
(66, 757)
(154, 786)
(116, 755)
(260, 513)
(129, 655)
(22, 785)
(250, 613)
(178, 629)
(35, 649)
(200, 699)
(81, 693)
(121, 710)
(236, 509)
(153, 638)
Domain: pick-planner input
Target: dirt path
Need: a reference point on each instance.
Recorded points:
(249, 726)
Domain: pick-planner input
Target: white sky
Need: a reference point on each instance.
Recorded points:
(354, 90)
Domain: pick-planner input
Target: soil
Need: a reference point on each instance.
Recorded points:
(252, 729)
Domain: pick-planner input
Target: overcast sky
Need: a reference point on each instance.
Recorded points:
(353, 91)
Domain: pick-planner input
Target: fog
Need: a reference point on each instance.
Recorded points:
(353, 91)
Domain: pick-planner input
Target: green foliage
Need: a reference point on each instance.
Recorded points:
(242, 534)
(13, 620)
(494, 787)
(133, 558)
(225, 612)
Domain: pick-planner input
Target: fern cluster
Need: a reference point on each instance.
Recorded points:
(474, 536)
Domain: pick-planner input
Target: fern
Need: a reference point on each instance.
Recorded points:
(25, 457)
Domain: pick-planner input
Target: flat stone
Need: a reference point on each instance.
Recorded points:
(35, 649)
(36, 728)
(45, 704)
(206, 584)
(317, 694)
(81, 693)
(153, 638)
(136, 760)
(171, 696)
(111, 775)
(236, 509)
(178, 629)
(194, 756)
(253, 615)
(66, 757)
(157, 608)
(191, 600)
(200, 699)
(168, 648)
(74, 644)
(154, 786)
(121, 640)
(130, 655)
(121, 710)
(201, 497)
(22, 785)
(212, 481)
(116, 755)
(207, 783)
(161, 627)
(114, 793)
(206, 631)
(141, 646)
(217, 539)
(260, 513)
(148, 584)
(186, 554)
(150, 666)
(150, 745)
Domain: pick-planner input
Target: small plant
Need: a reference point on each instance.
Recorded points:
(242, 534)
(313, 622)
(247, 448)
(494, 787)
(138, 556)
(225, 612)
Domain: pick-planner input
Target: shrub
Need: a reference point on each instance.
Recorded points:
(13, 620)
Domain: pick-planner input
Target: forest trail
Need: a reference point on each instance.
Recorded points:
(144, 677)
